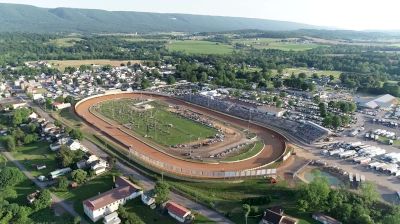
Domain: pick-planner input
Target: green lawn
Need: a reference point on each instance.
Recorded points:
(146, 213)
(199, 47)
(249, 151)
(36, 153)
(158, 124)
(69, 116)
(89, 189)
(278, 44)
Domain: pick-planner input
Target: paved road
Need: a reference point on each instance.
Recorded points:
(148, 184)
(56, 200)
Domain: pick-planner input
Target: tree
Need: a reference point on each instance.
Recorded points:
(67, 157)
(57, 123)
(327, 122)
(369, 192)
(322, 109)
(346, 120)
(43, 200)
(315, 194)
(62, 183)
(10, 176)
(336, 121)
(76, 134)
(10, 143)
(145, 84)
(302, 75)
(79, 176)
(77, 220)
(279, 103)
(171, 80)
(29, 138)
(161, 191)
(246, 211)
(69, 99)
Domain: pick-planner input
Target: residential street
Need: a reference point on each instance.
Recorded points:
(56, 200)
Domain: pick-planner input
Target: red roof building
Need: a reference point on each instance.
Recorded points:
(177, 211)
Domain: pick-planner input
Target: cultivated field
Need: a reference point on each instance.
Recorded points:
(158, 124)
(278, 44)
(65, 42)
(199, 47)
(61, 64)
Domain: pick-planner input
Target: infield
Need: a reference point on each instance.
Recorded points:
(157, 123)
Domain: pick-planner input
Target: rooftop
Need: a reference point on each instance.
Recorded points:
(176, 209)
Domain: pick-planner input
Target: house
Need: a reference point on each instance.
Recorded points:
(178, 212)
(33, 115)
(325, 219)
(60, 106)
(108, 202)
(32, 197)
(99, 166)
(276, 216)
(47, 127)
(112, 218)
(149, 197)
(73, 145)
(60, 172)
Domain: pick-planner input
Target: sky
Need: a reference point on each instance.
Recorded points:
(343, 14)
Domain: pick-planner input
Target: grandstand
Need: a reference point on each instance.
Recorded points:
(307, 132)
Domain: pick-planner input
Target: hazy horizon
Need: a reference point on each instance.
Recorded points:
(341, 14)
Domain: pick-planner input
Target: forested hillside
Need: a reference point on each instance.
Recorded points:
(25, 18)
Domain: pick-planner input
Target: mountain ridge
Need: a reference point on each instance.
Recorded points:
(27, 18)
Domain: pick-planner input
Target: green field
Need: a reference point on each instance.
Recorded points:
(65, 42)
(158, 124)
(278, 44)
(35, 154)
(309, 72)
(199, 47)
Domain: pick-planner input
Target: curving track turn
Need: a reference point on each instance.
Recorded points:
(273, 150)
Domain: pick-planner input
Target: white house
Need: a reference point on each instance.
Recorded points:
(177, 211)
(73, 145)
(60, 106)
(108, 202)
(99, 166)
(112, 218)
(148, 197)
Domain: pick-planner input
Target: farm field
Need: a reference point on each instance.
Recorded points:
(61, 64)
(199, 47)
(278, 44)
(65, 42)
(158, 124)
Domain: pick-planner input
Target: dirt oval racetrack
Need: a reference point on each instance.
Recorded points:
(273, 150)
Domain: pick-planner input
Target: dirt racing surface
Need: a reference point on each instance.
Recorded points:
(273, 150)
